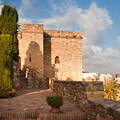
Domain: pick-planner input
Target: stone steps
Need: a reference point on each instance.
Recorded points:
(43, 116)
(23, 80)
(63, 116)
(18, 115)
(18, 119)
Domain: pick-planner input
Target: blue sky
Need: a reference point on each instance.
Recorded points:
(98, 20)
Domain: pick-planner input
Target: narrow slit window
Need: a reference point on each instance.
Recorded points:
(30, 58)
(57, 60)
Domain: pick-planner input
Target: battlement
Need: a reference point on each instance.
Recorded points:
(52, 33)
(63, 34)
(32, 28)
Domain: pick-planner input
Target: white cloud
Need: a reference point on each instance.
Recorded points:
(102, 61)
(61, 7)
(21, 11)
(26, 5)
(21, 20)
(118, 38)
(110, 52)
(92, 22)
(1, 9)
(25, 21)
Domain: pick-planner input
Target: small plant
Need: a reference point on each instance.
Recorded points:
(111, 90)
(55, 101)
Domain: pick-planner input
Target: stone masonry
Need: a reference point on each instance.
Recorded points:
(16, 75)
(89, 96)
(39, 51)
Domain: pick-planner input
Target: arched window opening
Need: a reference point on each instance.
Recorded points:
(57, 60)
(29, 57)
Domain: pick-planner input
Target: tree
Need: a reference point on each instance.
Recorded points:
(9, 25)
(8, 20)
(8, 45)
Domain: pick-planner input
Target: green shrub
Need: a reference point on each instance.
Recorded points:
(8, 94)
(55, 101)
(6, 63)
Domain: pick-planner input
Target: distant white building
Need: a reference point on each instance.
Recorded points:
(106, 77)
(99, 76)
(90, 76)
(117, 78)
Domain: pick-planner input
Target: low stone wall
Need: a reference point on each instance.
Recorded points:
(90, 97)
(34, 82)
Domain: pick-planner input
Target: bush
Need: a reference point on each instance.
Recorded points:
(55, 101)
(6, 63)
(8, 94)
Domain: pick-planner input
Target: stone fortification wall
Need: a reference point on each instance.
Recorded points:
(66, 45)
(89, 97)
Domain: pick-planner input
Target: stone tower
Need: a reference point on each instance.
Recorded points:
(50, 53)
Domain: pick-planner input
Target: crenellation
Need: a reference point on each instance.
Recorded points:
(32, 28)
(64, 34)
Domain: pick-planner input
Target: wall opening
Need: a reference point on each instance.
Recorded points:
(57, 60)
(29, 57)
